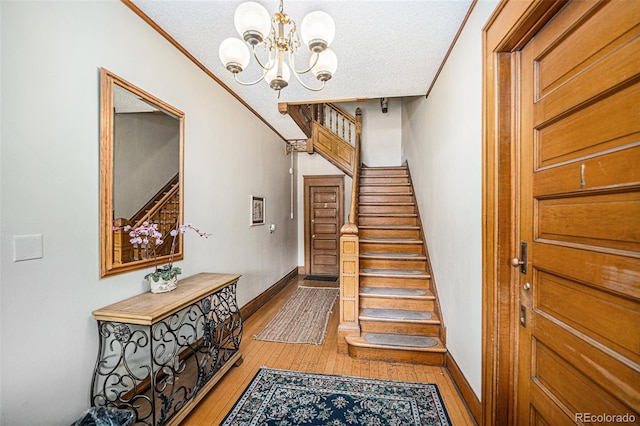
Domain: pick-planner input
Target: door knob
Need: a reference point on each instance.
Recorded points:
(516, 262)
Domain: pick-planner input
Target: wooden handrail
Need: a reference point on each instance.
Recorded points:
(154, 200)
(355, 192)
(337, 121)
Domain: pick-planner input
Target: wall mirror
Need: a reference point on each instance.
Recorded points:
(141, 174)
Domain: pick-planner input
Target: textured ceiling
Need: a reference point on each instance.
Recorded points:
(384, 48)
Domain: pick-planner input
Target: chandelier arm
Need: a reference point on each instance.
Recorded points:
(235, 77)
(263, 66)
(293, 65)
(307, 87)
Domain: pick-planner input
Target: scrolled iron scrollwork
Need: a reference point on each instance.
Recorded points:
(156, 370)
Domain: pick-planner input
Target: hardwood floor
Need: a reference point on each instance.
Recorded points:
(312, 358)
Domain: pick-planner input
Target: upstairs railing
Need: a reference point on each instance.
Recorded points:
(350, 254)
(330, 131)
(337, 121)
(163, 209)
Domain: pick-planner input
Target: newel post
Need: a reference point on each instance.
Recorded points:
(349, 275)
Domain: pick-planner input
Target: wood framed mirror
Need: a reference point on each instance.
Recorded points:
(141, 173)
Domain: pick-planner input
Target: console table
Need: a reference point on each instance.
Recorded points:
(159, 354)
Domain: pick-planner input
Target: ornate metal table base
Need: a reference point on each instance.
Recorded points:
(160, 368)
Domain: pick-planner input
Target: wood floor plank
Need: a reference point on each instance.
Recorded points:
(312, 358)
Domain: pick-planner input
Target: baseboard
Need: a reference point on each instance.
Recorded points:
(252, 306)
(464, 388)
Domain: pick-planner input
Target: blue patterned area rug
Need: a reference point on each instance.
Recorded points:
(281, 397)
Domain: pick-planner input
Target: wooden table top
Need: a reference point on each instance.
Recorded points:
(149, 308)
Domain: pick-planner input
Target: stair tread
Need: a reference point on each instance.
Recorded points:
(395, 291)
(386, 184)
(387, 214)
(414, 256)
(392, 240)
(375, 271)
(393, 203)
(385, 193)
(400, 340)
(388, 227)
(390, 339)
(397, 314)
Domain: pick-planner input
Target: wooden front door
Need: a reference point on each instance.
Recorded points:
(324, 216)
(578, 327)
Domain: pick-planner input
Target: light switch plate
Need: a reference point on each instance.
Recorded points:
(27, 247)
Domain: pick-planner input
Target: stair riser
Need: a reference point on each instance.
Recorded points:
(420, 283)
(413, 329)
(386, 221)
(389, 233)
(366, 247)
(385, 188)
(384, 209)
(385, 198)
(377, 180)
(424, 305)
(384, 171)
(391, 355)
(414, 265)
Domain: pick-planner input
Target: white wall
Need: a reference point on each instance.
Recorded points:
(51, 54)
(441, 140)
(381, 132)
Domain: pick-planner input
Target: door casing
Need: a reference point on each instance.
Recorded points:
(511, 26)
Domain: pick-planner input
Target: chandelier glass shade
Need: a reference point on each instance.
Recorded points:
(279, 37)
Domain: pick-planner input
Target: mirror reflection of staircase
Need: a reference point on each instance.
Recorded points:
(163, 209)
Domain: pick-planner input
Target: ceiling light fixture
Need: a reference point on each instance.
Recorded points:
(254, 25)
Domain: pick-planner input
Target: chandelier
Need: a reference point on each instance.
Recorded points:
(278, 36)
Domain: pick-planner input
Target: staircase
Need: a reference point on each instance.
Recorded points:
(398, 310)
(388, 306)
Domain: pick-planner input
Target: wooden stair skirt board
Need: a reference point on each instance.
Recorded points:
(399, 313)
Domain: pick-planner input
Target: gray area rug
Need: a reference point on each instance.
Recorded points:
(303, 319)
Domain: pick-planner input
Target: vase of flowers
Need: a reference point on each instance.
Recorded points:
(163, 278)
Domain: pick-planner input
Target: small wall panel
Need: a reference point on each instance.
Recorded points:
(609, 221)
(325, 228)
(319, 244)
(613, 169)
(328, 212)
(600, 77)
(602, 270)
(544, 411)
(582, 133)
(575, 390)
(324, 197)
(323, 259)
(602, 316)
(619, 377)
(565, 61)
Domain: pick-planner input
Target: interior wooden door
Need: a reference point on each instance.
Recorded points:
(324, 216)
(579, 215)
